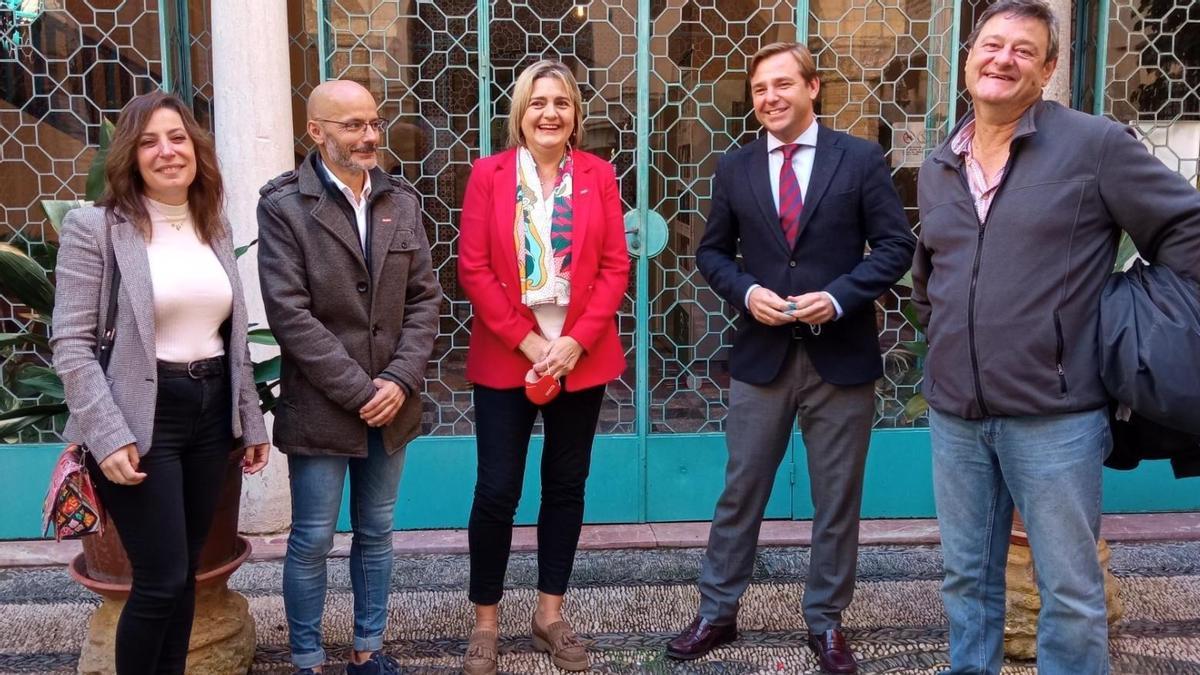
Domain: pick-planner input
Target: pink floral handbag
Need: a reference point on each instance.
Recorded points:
(72, 506)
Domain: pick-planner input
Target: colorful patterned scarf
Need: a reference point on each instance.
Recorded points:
(544, 270)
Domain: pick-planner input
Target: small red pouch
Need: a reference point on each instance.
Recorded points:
(541, 389)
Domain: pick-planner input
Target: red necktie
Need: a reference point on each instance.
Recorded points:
(791, 202)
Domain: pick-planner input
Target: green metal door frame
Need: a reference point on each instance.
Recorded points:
(952, 45)
(667, 465)
(642, 162)
(442, 459)
(175, 42)
(642, 264)
(436, 489)
(1101, 58)
(802, 21)
(645, 476)
(682, 473)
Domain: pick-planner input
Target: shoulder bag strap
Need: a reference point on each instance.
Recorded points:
(104, 352)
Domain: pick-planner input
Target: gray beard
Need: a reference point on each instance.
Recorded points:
(345, 161)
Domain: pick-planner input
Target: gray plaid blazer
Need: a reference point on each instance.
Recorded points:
(109, 412)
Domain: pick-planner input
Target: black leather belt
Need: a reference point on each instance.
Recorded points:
(197, 370)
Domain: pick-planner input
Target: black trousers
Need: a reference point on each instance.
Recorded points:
(164, 520)
(503, 424)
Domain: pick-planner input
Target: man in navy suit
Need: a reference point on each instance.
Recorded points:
(800, 204)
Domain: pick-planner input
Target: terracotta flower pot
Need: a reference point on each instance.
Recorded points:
(104, 568)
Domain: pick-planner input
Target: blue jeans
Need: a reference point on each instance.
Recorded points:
(1050, 468)
(316, 484)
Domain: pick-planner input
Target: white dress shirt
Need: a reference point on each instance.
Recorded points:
(359, 203)
(802, 165)
(802, 160)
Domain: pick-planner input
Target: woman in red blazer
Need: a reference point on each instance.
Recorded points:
(542, 260)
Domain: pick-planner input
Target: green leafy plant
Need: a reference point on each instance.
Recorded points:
(25, 282)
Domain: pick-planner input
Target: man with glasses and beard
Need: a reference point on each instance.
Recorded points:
(351, 296)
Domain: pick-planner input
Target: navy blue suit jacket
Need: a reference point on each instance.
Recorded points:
(850, 203)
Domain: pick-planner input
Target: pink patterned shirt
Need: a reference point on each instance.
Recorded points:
(981, 190)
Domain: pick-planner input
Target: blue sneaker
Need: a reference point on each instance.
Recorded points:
(378, 664)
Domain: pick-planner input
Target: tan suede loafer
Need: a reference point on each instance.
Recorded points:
(480, 658)
(566, 649)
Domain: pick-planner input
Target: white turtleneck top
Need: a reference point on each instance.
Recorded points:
(192, 293)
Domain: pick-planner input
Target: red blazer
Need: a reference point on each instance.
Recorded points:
(487, 271)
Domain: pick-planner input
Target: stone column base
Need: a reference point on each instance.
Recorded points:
(1022, 602)
(222, 640)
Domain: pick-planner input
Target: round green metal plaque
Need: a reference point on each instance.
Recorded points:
(652, 238)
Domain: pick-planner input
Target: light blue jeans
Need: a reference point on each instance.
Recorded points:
(316, 484)
(1050, 467)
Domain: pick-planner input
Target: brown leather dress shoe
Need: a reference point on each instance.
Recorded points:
(833, 652)
(700, 638)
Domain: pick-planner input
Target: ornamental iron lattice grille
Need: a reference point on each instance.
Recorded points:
(886, 70)
(1153, 77)
(63, 69)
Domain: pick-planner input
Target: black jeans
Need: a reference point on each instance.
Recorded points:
(164, 520)
(503, 424)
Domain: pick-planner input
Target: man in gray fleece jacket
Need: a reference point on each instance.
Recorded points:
(1021, 210)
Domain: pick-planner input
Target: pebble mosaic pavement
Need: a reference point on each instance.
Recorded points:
(628, 603)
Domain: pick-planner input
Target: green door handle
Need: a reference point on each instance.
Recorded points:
(649, 239)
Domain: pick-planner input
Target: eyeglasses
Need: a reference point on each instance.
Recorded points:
(358, 126)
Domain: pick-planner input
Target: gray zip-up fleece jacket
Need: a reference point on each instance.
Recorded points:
(1011, 304)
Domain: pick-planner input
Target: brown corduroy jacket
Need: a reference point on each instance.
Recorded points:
(343, 317)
